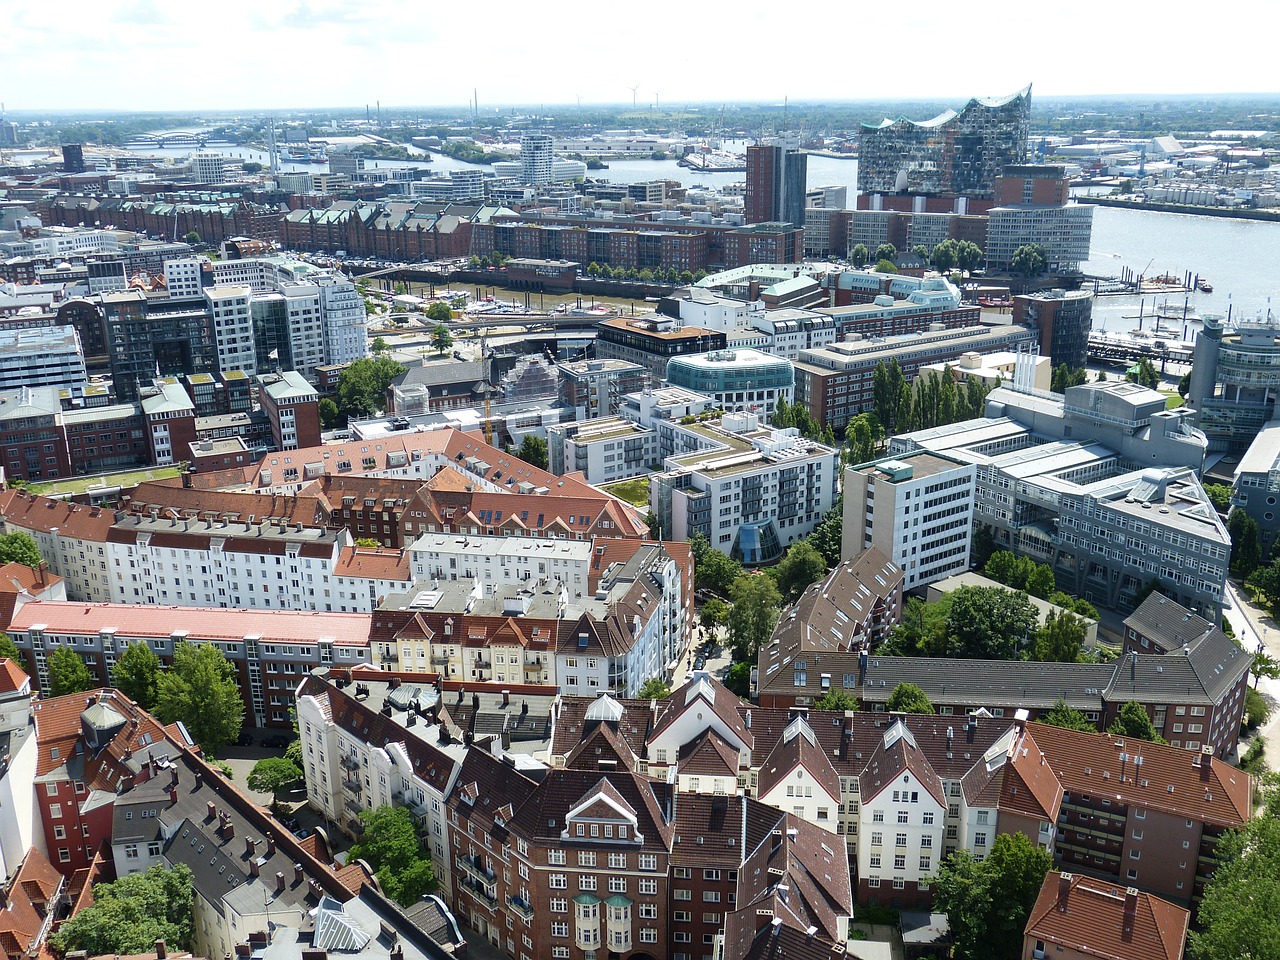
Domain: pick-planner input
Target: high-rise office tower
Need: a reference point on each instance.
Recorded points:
(776, 181)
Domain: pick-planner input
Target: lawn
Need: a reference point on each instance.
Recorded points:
(1173, 400)
(78, 485)
(634, 491)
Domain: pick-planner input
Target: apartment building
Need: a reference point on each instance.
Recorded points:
(1082, 918)
(835, 382)
(750, 490)
(736, 380)
(651, 342)
(603, 450)
(271, 651)
(71, 537)
(849, 611)
(917, 510)
(48, 357)
(595, 388)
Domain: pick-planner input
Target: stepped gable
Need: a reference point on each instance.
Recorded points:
(1096, 918)
(798, 747)
(1173, 780)
(896, 753)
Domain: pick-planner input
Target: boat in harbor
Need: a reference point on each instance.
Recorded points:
(1203, 285)
(714, 161)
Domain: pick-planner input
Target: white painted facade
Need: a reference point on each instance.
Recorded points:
(232, 328)
(502, 560)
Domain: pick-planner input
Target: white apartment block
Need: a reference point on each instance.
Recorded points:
(603, 450)
(42, 357)
(233, 327)
(345, 331)
(71, 538)
(750, 490)
(208, 167)
(503, 560)
(916, 509)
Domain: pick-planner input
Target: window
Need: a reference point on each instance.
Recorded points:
(710, 896)
(649, 887)
(979, 839)
(900, 862)
(926, 864)
(927, 818)
(648, 935)
(710, 874)
(877, 816)
(648, 861)
(900, 840)
(648, 911)
(617, 884)
(555, 857)
(903, 816)
(559, 905)
(682, 895)
(560, 929)
(557, 881)
(586, 883)
(586, 858)
(617, 861)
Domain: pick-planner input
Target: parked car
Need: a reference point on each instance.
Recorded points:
(245, 739)
(277, 740)
(699, 664)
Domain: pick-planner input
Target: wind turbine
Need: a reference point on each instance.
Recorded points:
(633, 94)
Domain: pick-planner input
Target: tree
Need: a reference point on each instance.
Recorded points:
(379, 346)
(922, 251)
(1064, 715)
(654, 525)
(968, 255)
(984, 544)
(800, 566)
(533, 451)
(1246, 551)
(756, 605)
(1184, 385)
(200, 689)
(1064, 376)
(1040, 581)
(859, 254)
(68, 673)
(18, 547)
(1060, 640)
(738, 679)
(908, 698)
(329, 415)
(9, 651)
(836, 699)
(271, 774)
(441, 338)
(1102, 377)
(1028, 261)
(655, 688)
(828, 534)
(191, 237)
(714, 614)
(1144, 372)
(886, 251)
(251, 166)
(944, 256)
(135, 674)
(362, 387)
(716, 571)
(1133, 721)
(886, 266)
(988, 623)
(440, 312)
(1264, 665)
(1219, 495)
(131, 914)
(1236, 920)
(987, 903)
(390, 846)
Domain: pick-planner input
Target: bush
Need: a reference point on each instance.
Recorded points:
(1256, 709)
(876, 915)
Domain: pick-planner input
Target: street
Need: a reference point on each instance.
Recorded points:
(1256, 631)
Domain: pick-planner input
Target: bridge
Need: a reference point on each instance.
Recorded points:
(1109, 350)
(174, 138)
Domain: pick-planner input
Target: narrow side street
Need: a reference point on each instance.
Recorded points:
(1256, 630)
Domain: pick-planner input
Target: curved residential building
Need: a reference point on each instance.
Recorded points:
(742, 381)
(1235, 379)
(956, 154)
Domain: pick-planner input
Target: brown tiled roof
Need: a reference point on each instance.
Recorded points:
(544, 813)
(602, 742)
(59, 731)
(191, 503)
(708, 755)
(701, 687)
(1170, 779)
(1029, 785)
(373, 564)
(797, 749)
(29, 900)
(27, 511)
(896, 752)
(572, 725)
(1087, 916)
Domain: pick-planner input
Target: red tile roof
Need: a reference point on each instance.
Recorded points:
(373, 564)
(17, 579)
(1170, 779)
(30, 897)
(12, 678)
(27, 511)
(205, 623)
(1087, 916)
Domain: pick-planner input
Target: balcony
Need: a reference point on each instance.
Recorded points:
(480, 892)
(439, 660)
(475, 868)
(525, 910)
(352, 786)
(355, 806)
(350, 761)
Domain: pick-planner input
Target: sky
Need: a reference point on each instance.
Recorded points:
(168, 55)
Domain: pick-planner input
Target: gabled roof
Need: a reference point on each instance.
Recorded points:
(12, 678)
(1029, 785)
(703, 689)
(30, 899)
(896, 753)
(708, 755)
(1096, 918)
(799, 748)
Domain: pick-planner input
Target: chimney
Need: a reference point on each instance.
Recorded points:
(393, 683)
(1064, 889)
(254, 869)
(173, 795)
(1130, 912)
(475, 701)
(271, 846)
(250, 846)
(279, 883)
(506, 698)
(297, 873)
(211, 811)
(228, 829)
(161, 952)
(862, 668)
(1206, 762)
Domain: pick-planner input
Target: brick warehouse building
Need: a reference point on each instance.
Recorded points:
(214, 220)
